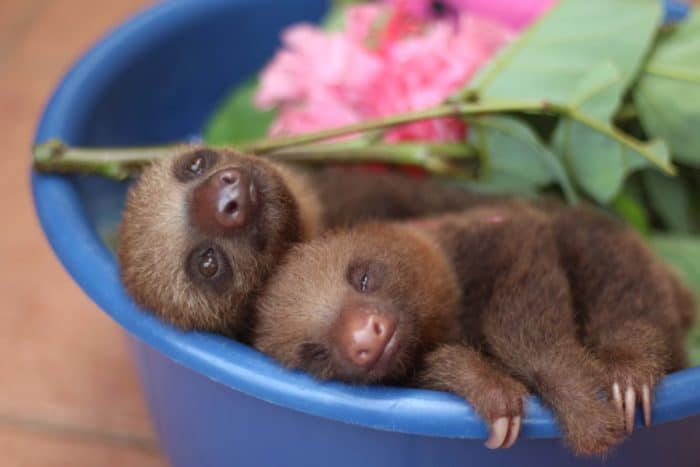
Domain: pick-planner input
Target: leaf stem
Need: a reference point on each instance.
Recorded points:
(120, 163)
(114, 163)
(444, 110)
(434, 158)
(623, 138)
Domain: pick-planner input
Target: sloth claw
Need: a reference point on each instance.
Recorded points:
(504, 432)
(630, 408)
(513, 433)
(617, 399)
(646, 404)
(627, 405)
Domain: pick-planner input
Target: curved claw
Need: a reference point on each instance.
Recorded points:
(514, 432)
(630, 408)
(499, 432)
(646, 404)
(617, 399)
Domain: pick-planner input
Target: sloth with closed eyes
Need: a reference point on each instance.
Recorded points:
(490, 304)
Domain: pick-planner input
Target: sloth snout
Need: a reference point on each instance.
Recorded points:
(224, 202)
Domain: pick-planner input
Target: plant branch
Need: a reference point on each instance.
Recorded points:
(434, 158)
(120, 163)
(444, 110)
(623, 138)
(114, 163)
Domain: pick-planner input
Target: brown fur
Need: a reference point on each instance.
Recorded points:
(156, 236)
(354, 196)
(468, 372)
(305, 295)
(633, 311)
(548, 299)
(157, 233)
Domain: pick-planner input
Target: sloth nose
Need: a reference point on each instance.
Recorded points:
(363, 335)
(224, 202)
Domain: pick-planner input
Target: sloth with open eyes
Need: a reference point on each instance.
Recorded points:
(488, 304)
(202, 231)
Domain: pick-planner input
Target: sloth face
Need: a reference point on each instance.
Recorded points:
(202, 231)
(358, 305)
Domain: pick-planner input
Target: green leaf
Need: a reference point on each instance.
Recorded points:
(238, 120)
(598, 162)
(497, 182)
(565, 44)
(683, 253)
(583, 54)
(511, 147)
(632, 211)
(335, 17)
(671, 200)
(668, 93)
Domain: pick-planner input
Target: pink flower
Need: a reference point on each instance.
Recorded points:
(423, 71)
(315, 114)
(312, 62)
(383, 63)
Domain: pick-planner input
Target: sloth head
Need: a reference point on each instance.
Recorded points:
(202, 231)
(358, 305)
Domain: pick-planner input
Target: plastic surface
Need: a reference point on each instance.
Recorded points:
(154, 80)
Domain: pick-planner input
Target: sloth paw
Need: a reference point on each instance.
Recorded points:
(501, 403)
(632, 369)
(631, 384)
(591, 426)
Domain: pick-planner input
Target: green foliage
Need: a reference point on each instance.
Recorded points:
(671, 199)
(584, 69)
(574, 37)
(630, 208)
(512, 148)
(599, 162)
(668, 93)
(683, 252)
(238, 120)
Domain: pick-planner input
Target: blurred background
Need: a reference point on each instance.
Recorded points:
(68, 392)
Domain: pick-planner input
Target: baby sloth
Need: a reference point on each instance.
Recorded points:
(201, 231)
(488, 304)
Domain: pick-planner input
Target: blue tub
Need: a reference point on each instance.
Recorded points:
(216, 402)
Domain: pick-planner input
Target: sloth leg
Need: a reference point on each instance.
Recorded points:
(631, 309)
(530, 327)
(495, 395)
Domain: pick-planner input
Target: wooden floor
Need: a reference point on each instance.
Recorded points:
(68, 391)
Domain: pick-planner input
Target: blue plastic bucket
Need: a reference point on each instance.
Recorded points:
(216, 402)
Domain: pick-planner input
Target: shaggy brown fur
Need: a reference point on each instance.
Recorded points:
(563, 302)
(160, 241)
(296, 312)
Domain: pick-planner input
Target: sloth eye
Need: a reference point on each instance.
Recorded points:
(195, 164)
(208, 264)
(366, 276)
(364, 281)
(313, 352)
